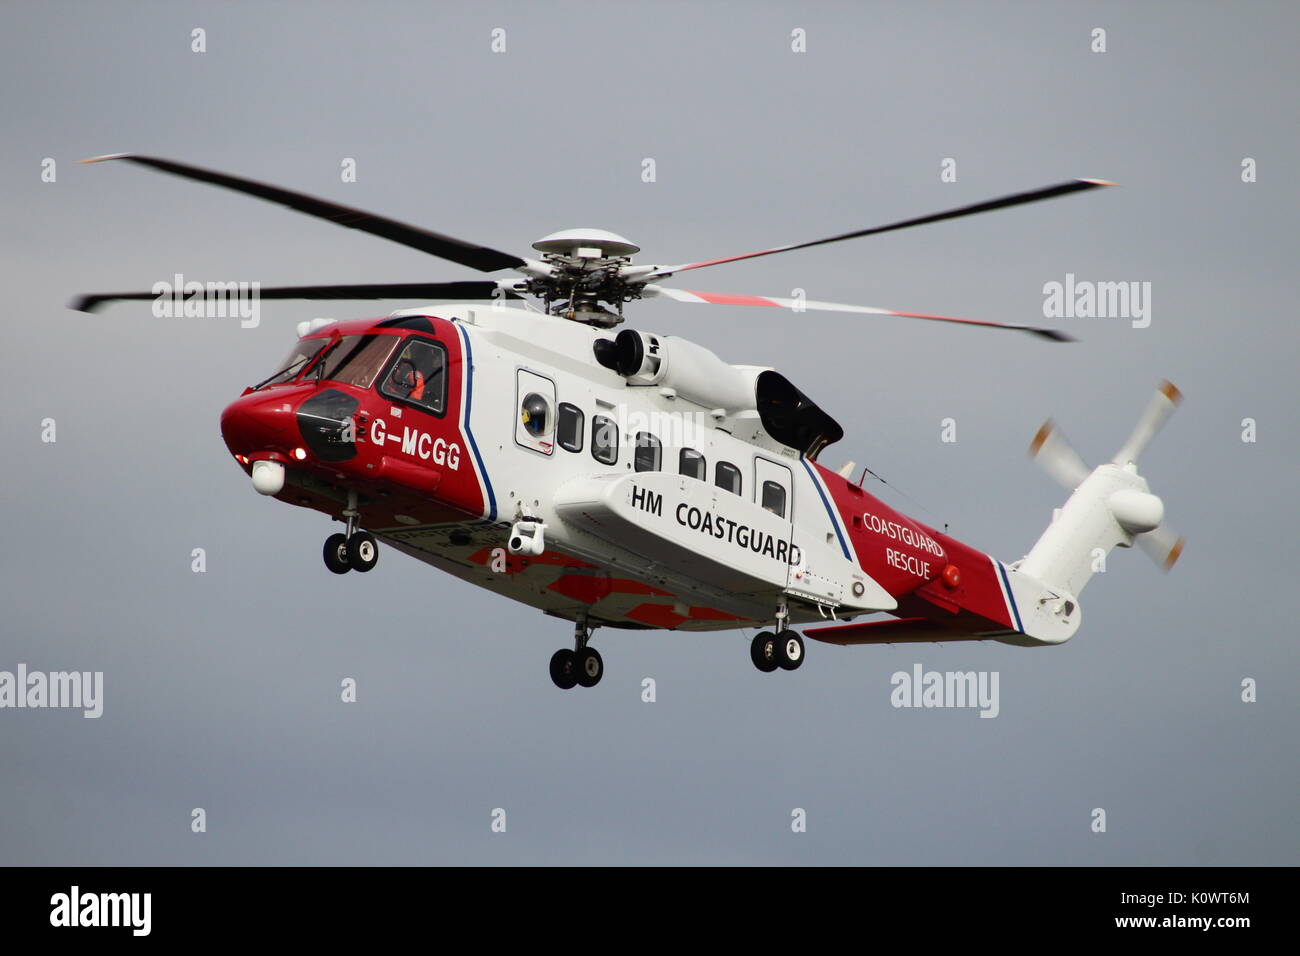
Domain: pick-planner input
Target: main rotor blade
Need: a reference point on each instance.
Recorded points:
(1056, 456)
(391, 290)
(447, 247)
(1016, 199)
(722, 298)
(1157, 412)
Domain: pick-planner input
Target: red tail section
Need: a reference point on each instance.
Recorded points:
(946, 590)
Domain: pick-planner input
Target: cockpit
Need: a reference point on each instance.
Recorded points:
(411, 370)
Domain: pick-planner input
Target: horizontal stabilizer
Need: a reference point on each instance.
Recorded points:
(905, 630)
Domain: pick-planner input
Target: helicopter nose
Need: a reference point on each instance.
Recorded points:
(256, 423)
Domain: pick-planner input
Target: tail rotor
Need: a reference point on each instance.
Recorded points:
(1137, 514)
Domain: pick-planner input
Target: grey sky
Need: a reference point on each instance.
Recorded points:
(222, 688)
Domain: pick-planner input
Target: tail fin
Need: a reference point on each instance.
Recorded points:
(1111, 506)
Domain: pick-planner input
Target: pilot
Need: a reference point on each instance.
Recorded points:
(406, 380)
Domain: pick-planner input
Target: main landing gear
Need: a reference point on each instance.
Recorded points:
(781, 648)
(355, 550)
(582, 665)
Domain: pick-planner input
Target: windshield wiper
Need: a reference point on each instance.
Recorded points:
(288, 368)
(309, 359)
(320, 357)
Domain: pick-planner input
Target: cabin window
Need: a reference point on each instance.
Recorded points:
(535, 414)
(648, 453)
(418, 376)
(726, 475)
(568, 427)
(691, 464)
(535, 418)
(774, 498)
(604, 440)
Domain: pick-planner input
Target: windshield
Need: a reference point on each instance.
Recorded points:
(352, 359)
(357, 359)
(299, 356)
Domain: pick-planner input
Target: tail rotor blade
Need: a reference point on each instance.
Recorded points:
(1057, 457)
(1157, 413)
(1163, 546)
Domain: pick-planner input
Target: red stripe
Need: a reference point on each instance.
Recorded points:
(723, 298)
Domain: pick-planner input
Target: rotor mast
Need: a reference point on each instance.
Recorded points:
(588, 267)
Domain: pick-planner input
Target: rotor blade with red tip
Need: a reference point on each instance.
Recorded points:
(390, 290)
(722, 298)
(478, 257)
(1056, 456)
(1162, 405)
(1163, 546)
(1016, 199)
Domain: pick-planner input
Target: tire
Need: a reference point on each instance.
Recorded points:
(564, 668)
(762, 651)
(336, 554)
(363, 551)
(590, 667)
(789, 650)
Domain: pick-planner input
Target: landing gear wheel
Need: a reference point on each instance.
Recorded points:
(564, 668)
(590, 667)
(789, 650)
(336, 554)
(763, 652)
(363, 551)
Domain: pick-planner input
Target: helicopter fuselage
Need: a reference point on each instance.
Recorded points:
(653, 510)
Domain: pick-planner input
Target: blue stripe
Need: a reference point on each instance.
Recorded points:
(829, 510)
(469, 395)
(1011, 597)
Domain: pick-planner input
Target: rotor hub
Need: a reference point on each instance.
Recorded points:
(586, 243)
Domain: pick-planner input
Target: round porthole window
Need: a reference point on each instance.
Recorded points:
(536, 414)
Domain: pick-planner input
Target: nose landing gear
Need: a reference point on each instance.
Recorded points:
(355, 550)
(582, 666)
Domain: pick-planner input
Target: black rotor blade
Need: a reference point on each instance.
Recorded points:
(1016, 199)
(478, 257)
(390, 290)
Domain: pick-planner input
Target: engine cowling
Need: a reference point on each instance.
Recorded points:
(691, 371)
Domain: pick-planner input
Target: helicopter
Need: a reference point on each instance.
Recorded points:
(637, 480)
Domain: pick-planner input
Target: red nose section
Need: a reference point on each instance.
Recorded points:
(259, 422)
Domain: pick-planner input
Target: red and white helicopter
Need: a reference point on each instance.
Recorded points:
(637, 480)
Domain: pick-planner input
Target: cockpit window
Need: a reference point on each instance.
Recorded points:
(357, 359)
(298, 359)
(418, 376)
